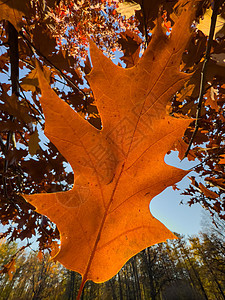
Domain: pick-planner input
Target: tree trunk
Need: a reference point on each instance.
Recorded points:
(120, 287)
(150, 275)
(194, 271)
(137, 283)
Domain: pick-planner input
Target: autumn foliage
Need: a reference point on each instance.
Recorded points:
(113, 123)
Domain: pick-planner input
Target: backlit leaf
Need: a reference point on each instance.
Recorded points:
(105, 219)
(128, 9)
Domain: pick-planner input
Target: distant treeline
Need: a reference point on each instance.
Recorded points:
(186, 268)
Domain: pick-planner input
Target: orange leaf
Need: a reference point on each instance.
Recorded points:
(105, 219)
(40, 255)
(222, 159)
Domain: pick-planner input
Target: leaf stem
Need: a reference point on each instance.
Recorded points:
(84, 280)
(100, 232)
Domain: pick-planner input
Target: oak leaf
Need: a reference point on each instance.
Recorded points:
(211, 98)
(207, 192)
(43, 40)
(18, 109)
(181, 147)
(105, 219)
(131, 44)
(30, 81)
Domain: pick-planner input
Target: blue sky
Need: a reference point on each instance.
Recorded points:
(177, 217)
(166, 207)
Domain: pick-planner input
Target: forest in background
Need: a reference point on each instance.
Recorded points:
(187, 268)
(56, 33)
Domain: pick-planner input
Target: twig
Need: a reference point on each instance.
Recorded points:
(14, 75)
(32, 67)
(220, 151)
(216, 7)
(32, 107)
(4, 44)
(4, 72)
(73, 85)
(25, 141)
(145, 25)
(2, 145)
(14, 58)
(27, 63)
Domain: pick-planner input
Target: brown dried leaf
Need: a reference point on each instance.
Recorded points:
(211, 99)
(34, 143)
(18, 109)
(181, 147)
(131, 47)
(207, 192)
(43, 40)
(30, 82)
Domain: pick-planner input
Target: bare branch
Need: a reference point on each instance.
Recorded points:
(14, 75)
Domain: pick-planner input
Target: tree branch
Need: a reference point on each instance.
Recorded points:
(32, 67)
(14, 58)
(216, 7)
(32, 107)
(2, 145)
(14, 75)
(145, 25)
